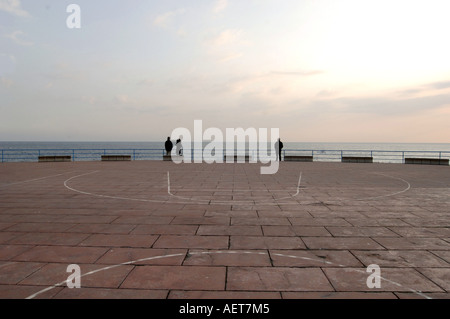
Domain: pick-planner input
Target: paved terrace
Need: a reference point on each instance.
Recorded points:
(150, 229)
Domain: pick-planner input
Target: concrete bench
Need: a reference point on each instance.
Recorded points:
(427, 161)
(115, 158)
(170, 158)
(292, 158)
(357, 159)
(237, 158)
(58, 158)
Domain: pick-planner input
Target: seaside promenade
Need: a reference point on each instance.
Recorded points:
(154, 229)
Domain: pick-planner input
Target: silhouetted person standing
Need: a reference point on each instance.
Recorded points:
(169, 146)
(278, 148)
(179, 147)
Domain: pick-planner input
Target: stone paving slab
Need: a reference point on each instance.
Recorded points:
(105, 293)
(22, 292)
(143, 256)
(256, 258)
(157, 230)
(176, 277)
(339, 295)
(277, 279)
(53, 273)
(183, 294)
(392, 279)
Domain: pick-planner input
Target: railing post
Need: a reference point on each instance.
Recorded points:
(73, 154)
(2, 155)
(134, 155)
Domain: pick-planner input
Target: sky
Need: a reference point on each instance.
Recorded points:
(319, 70)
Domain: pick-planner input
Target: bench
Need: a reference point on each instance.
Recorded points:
(357, 159)
(170, 158)
(292, 158)
(426, 161)
(237, 158)
(57, 158)
(115, 158)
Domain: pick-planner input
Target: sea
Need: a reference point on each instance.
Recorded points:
(87, 151)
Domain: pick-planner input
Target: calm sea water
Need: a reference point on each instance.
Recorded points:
(382, 152)
(445, 147)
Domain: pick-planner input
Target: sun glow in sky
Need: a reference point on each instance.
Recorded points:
(319, 70)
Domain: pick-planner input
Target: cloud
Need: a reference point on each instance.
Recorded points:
(230, 57)
(123, 99)
(16, 36)
(220, 6)
(91, 100)
(325, 94)
(13, 7)
(384, 106)
(7, 64)
(424, 88)
(165, 19)
(226, 37)
(298, 73)
(6, 82)
(440, 85)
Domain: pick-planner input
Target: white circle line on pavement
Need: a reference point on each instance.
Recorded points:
(103, 269)
(183, 200)
(217, 252)
(187, 200)
(33, 180)
(227, 202)
(408, 187)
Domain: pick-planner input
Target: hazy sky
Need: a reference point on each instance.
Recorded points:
(319, 70)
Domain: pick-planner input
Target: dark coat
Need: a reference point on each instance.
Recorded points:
(168, 145)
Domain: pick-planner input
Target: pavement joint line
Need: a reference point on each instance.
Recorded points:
(7, 264)
(218, 252)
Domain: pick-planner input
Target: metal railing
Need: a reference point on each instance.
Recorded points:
(379, 156)
(32, 155)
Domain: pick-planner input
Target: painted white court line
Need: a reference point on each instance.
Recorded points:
(34, 180)
(220, 252)
(227, 202)
(357, 270)
(271, 202)
(106, 196)
(183, 200)
(102, 269)
(388, 195)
